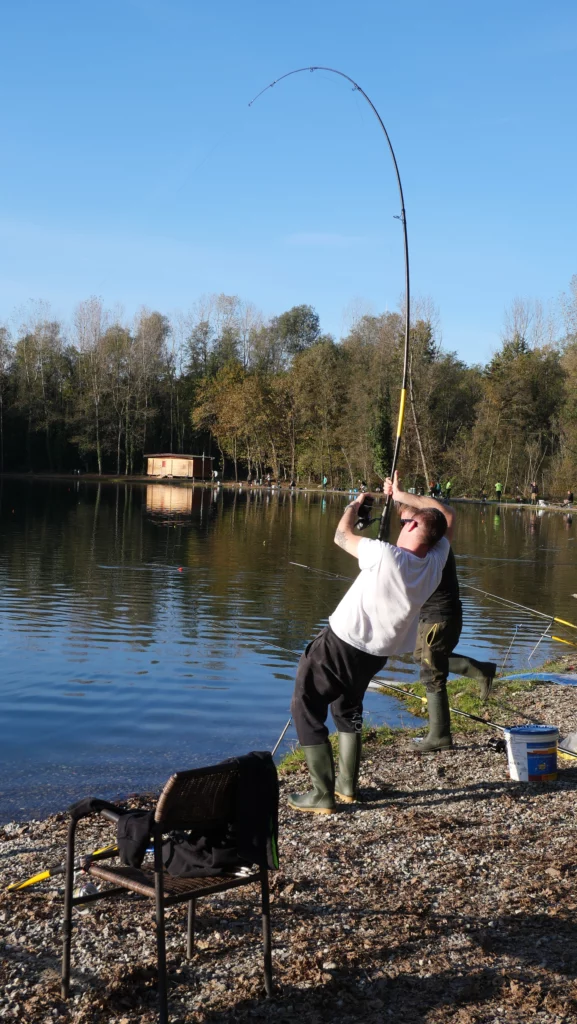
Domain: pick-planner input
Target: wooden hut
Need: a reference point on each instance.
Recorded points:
(193, 467)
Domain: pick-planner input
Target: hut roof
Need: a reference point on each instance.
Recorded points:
(171, 455)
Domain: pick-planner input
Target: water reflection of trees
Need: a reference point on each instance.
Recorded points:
(537, 565)
(107, 556)
(102, 549)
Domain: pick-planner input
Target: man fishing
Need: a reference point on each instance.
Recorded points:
(377, 617)
(440, 625)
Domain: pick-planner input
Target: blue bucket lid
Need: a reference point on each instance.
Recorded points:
(532, 730)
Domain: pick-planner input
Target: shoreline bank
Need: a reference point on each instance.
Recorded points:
(445, 897)
(113, 478)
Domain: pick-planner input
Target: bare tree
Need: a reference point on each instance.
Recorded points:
(6, 354)
(250, 320)
(568, 308)
(90, 323)
(151, 333)
(530, 321)
(38, 371)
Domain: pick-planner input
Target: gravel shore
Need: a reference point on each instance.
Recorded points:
(447, 895)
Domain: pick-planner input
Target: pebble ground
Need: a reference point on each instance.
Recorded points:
(448, 895)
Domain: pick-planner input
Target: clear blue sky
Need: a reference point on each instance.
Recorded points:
(133, 168)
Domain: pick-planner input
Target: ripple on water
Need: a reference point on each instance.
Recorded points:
(116, 666)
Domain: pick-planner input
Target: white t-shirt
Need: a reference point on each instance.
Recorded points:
(379, 613)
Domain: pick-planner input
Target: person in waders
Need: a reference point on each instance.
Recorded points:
(498, 491)
(440, 625)
(377, 617)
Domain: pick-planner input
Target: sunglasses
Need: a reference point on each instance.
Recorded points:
(405, 521)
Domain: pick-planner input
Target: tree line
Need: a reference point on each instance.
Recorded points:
(280, 396)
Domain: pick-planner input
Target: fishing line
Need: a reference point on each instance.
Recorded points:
(377, 685)
(526, 561)
(542, 637)
(509, 650)
(515, 604)
(486, 593)
(386, 515)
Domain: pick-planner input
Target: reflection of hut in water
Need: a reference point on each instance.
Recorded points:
(193, 467)
(168, 500)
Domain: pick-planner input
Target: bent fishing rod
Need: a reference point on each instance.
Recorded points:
(386, 515)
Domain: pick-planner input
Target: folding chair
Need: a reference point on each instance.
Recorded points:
(190, 801)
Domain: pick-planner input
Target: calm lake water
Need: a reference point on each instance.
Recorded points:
(138, 622)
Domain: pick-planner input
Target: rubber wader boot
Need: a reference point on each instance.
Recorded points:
(321, 798)
(483, 671)
(349, 763)
(439, 737)
(486, 683)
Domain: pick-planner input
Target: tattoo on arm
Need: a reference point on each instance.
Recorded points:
(341, 539)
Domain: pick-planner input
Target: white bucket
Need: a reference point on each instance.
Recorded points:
(532, 752)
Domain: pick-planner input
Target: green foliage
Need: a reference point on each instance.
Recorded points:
(381, 437)
(281, 397)
(298, 329)
(516, 435)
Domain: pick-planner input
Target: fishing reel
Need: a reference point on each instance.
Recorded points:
(364, 514)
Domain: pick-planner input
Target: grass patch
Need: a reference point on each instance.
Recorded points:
(292, 762)
(463, 696)
(373, 735)
(565, 664)
(381, 735)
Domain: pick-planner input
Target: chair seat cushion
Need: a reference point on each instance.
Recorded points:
(141, 880)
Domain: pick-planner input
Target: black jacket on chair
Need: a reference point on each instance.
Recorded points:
(251, 838)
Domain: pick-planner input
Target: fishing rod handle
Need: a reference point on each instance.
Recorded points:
(112, 816)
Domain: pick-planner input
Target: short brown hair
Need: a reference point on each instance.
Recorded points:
(432, 520)
(434, 524)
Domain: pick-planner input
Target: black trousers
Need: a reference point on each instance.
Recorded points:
(332, 674)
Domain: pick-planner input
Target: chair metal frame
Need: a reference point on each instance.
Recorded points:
(212, 791)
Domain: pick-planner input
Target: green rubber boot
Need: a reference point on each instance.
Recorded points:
(486, 683)
(439, 737)
(483, 671)
(349, 763)
(321, 798)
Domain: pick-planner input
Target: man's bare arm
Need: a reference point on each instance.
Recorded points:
(345, 536)
(423, 501)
